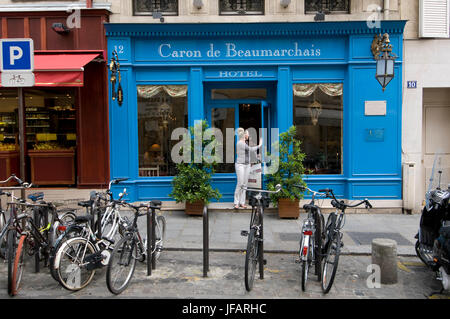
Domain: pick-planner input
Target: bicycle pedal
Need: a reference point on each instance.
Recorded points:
(297, 261)
(244, 233)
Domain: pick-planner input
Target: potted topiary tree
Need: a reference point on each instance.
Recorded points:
(290, 172)
(192, 183)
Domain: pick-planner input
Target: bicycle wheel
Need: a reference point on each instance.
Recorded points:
(121, 265)
(251, 259)
(330, 262)
(305, 264)
(71, 232)
(2, 219)
(10, 255)
(70, 262)
(3, 241)
(40, 223)
(64, 221)
(19, 265)
(160, 235)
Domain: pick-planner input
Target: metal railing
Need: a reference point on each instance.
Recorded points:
(147, 7)
(327, 6)
(241, 7)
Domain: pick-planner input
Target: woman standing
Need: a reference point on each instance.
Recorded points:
(242, 166)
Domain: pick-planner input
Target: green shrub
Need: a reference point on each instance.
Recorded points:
(193, 180)
(291, 169)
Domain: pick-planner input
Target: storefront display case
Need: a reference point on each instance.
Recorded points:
(9, 146)
(51, 138)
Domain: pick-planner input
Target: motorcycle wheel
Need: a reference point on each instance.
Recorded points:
(420, 255)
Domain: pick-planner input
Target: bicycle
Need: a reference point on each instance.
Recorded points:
(131, 248)
(255, 249)
(311, 238)
(36, 238)
(77, 258)
(6, 223)
(9, 234)
(333, 238)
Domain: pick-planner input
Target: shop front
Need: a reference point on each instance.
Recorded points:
(319, 77)
(61, 119)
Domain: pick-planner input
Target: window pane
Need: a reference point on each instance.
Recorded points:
(223, 118)
(9, 124)
(50, 119)
(242, 7)
(238, 94)
(147, 7)
(158, 115)
(318, 118)
(327, 6)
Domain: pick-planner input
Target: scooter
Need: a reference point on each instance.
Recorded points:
(433, 238)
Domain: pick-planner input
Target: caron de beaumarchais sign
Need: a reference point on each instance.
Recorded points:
(239, 49)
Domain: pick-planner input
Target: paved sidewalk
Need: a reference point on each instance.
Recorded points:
(283, 235)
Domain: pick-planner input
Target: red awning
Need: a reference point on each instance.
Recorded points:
(60, 69)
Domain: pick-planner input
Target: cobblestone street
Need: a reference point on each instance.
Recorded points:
(179, 274)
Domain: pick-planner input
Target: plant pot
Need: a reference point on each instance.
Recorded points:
(195, 208)
(288, 208)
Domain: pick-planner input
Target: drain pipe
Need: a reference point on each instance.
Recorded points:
(386, 10)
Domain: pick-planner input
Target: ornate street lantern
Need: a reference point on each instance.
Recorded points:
(114, 67)
(382, 52)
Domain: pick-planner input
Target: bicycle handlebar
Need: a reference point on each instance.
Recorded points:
(277, 189)
(18, 180)
(335, 203)
(302, 187)
(115, 181)
(142, 205)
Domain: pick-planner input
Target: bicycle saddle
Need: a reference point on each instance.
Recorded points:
(36, 196)
(155, 202)
(308, 206)
(85, 203)
(83, 219)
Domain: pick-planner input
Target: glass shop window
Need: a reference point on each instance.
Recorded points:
(50, 119)
(242, 7)
(9, 123)
(161, 109)
(318, 116)
(152, 7)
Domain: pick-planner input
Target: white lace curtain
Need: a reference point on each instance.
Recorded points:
(305, 90)
(148, 91)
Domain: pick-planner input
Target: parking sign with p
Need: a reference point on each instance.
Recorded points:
(17, 62)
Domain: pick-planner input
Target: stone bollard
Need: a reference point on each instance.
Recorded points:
(384, 254)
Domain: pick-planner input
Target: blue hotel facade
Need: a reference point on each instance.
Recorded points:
(273, 58)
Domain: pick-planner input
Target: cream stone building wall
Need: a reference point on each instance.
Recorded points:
(122, 11)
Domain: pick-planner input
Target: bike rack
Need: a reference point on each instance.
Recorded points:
(205, 241)
(151, 224)
(153, 237)
(150, 229)
(261, 250)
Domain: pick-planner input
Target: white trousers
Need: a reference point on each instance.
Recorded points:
(242, 173)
